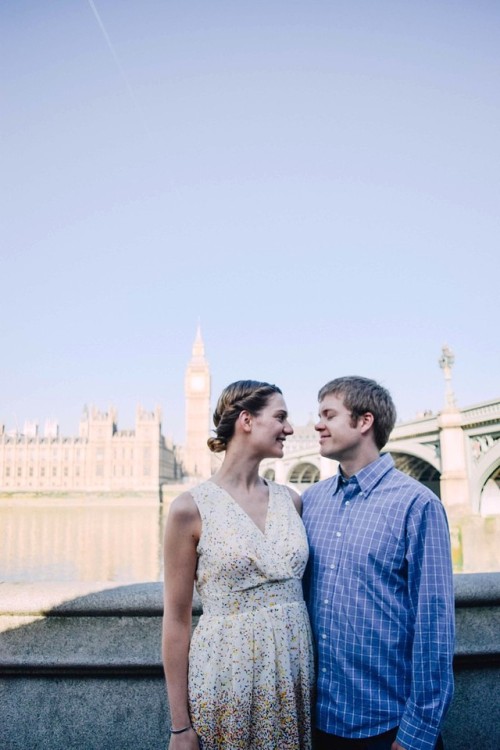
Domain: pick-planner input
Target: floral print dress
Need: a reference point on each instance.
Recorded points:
(251, 656)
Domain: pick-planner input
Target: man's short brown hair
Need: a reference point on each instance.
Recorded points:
(363, 395)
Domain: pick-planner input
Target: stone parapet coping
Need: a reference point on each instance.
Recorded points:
(477, 589)
(477, 616)
(104, 598)
(117, 628)
(96, 598)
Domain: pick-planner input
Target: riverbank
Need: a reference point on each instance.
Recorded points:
(77, 499)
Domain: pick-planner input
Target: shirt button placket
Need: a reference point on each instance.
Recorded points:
(349, 491)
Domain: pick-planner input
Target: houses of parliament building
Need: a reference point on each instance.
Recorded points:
(105, 459)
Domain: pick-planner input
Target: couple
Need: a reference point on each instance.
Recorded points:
(370, 557)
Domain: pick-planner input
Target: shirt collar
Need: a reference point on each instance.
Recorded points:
(369, 475)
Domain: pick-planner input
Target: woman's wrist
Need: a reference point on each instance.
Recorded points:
(181, 730)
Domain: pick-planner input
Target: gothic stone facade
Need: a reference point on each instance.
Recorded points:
(101, 459)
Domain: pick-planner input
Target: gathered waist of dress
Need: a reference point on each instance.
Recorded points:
(264, 596)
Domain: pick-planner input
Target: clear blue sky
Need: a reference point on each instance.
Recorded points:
(316, 182)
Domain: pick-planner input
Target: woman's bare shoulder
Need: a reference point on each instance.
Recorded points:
(183, 509)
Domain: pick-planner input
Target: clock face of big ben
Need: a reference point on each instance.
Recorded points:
(197, 382)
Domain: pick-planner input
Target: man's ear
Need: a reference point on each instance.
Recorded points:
(366, 421)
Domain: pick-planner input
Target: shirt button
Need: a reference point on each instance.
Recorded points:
(332, 566)
(324, 669)
(326, 601)
(347, 502)
(338, 533)
(324, 635)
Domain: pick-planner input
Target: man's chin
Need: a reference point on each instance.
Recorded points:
(325, 453)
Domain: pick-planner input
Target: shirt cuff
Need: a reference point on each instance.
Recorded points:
(413, 735)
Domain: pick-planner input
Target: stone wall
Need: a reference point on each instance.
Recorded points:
(80, 666)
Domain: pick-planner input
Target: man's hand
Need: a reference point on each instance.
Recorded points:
(397, 746)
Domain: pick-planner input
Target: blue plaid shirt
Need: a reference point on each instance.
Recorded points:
(379, 589)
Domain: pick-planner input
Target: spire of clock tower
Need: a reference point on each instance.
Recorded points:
(197, 389)
(198, 346)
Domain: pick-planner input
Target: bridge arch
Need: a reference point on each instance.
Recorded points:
(486, 483)
(304, 474)
(419, 469)
(423, 452)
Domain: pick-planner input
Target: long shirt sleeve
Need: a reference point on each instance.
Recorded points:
(430, 585)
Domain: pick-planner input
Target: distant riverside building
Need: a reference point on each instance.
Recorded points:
(104, 459)
(101, 459)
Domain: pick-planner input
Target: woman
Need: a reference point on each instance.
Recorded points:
(245, 680)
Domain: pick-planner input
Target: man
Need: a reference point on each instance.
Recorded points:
(379, 584)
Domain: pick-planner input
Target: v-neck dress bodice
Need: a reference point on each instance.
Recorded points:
(251, 657)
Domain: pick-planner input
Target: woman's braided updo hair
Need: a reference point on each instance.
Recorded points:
(242, 395)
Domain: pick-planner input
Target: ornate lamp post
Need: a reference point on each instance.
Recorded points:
(446, 362)
(454, 483)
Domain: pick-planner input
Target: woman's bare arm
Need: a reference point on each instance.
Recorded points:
(182, 532)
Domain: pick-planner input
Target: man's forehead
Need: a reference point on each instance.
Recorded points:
(331, 400)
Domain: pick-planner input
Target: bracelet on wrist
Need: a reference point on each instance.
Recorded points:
(180, 731)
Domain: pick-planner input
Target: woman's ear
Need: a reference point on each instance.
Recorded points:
(245, 420)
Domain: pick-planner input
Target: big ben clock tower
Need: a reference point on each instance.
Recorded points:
(197, 387)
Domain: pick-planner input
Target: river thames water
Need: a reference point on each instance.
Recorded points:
(56, 541)
(121, 541)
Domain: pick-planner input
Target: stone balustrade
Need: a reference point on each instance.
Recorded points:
(80, 666)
